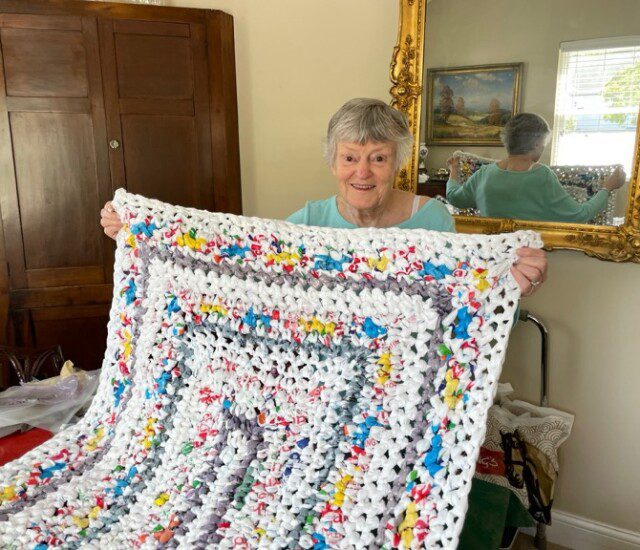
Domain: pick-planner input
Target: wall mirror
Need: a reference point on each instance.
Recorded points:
(462, 68)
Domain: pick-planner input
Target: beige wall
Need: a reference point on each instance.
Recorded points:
(592, 311)
(297, 61)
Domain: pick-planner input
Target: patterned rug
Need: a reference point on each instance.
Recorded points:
(277, 386)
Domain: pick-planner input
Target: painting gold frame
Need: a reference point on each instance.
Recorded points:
(613, 243)
(516, 68)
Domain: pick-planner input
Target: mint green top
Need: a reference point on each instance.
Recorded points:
(433, 215)
(534, 194)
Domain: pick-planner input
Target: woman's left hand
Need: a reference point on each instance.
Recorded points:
(453, 164)
(530, 271)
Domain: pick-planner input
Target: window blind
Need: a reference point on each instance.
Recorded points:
(597, 97)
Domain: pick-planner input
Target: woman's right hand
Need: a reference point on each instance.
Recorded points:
(110, 220)
(616, 180)
(453, 165)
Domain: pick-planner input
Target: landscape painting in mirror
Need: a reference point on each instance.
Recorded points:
(471, 105)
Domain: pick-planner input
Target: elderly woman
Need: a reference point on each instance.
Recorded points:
(519, 186)
(367, 142)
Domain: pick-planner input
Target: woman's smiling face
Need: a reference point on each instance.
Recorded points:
(365, 173)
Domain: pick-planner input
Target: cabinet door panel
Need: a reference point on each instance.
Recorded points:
(154, 66)
(160, 156)
(45, 63)
(54, 160)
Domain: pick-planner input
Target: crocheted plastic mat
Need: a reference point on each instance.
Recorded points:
(277, 386)
(581, 182)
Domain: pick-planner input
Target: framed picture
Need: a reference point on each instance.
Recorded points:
(470, 105)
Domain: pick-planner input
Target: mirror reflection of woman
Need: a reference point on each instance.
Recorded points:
(367, 143)
(519, 187)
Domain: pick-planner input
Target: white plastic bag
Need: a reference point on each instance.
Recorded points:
(520, 451)
(49, 403)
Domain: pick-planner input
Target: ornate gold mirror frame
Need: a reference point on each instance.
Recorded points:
(613, 243)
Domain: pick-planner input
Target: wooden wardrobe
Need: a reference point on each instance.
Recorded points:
(95, 96)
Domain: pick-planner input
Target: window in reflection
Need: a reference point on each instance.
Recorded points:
(597, 102)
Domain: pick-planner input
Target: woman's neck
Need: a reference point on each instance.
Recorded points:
(377, 216)
(518, 163)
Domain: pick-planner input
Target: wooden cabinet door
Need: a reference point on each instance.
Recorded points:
(54, 128)
(96, 96)
(157, 99)
(54, 173)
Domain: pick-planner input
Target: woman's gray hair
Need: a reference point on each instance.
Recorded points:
(363, 120)
(523, 132)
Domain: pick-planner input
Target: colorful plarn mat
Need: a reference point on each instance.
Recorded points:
(268, 385)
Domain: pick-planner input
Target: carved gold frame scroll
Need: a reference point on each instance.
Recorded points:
(613, 243)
